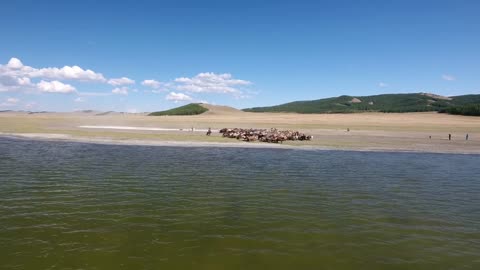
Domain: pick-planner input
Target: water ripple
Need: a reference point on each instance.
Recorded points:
(84, 206)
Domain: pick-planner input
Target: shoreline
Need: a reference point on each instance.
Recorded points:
(165, 143)
(147, 128)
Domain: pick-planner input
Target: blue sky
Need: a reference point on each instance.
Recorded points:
(154, 55)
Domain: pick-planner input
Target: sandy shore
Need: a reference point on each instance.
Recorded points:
(409, 132)
(65, 137)
(109, 141)
(99, 140)
(148, 128)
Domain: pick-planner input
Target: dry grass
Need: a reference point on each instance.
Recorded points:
(379, 131)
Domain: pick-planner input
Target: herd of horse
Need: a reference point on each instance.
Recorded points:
(263, 135)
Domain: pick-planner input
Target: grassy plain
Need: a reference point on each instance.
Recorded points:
(368, 131)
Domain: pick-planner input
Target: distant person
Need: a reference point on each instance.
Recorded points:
(348, 129)
(466, 137)
(430, 137)
(209, 132)
(449, 137)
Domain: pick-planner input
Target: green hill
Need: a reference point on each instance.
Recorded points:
(469, 109)
(416, 102)
(190, 109)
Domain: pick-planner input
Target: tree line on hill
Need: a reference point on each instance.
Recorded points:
(470, 110)
(388, 103)
(189, 109)
(394, 103)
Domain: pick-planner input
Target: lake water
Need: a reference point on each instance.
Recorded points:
(86, 206)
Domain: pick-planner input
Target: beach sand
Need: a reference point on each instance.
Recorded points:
(368, 131)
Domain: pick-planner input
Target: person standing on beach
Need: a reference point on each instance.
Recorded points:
(466, 137)
(449, 137)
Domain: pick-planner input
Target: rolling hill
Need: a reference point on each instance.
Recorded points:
(198, 108)
(218, 109)
(189, 109)
(415, 102)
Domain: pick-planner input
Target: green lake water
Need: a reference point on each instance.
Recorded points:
(87, 206)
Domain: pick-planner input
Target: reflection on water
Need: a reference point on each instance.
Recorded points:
(86, 206)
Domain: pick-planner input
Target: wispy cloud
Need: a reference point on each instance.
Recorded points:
(13, 100)
(121, 81)
(157, 86)
(382, 85)
(202, 83)
(10, 102)
(152, 83)
(30, 105)
(94, 94)
(120, 91)
(178, 97)
(132, 110)
(448, 77)
(211, 83)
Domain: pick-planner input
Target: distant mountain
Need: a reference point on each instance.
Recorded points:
(415, 102)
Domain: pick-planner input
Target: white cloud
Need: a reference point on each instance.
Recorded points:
(158, 87)
(382, 85)
(120, 81)
(152, 83)
(55, 87)
(66, 73)
(9, 102)
(15, 63)
(178, 97)
(120, 91)
(13, 100)
(15, 76)
(211, 83)
(11, 83)
(24, 81)
(448, 77)
(30, 105)
(7, 81)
